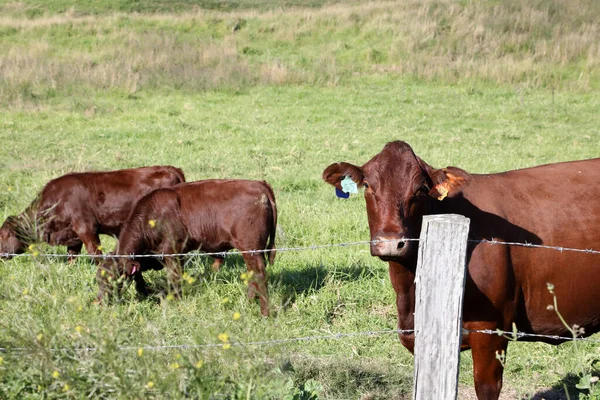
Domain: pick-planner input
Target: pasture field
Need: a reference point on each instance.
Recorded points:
(89, 92)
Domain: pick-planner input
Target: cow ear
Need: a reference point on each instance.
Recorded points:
(335, 173)
(448, 182)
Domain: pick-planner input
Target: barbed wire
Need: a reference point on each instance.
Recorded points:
(243, 344)
(535, 246)
(218, 254)
(519, 334)
(286, 249)
(335, 336)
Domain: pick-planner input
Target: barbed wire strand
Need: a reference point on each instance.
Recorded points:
(208, 345)
(335, 336)
(518, 335)
(286, 249)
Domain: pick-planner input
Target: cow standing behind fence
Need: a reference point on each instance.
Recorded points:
(212, 216)
(74, 209)
(555, 204)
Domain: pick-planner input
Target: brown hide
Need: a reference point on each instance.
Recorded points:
(555, 205)
(210, 215)
(74, 209)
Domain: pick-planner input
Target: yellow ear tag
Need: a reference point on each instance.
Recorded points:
(442, 191)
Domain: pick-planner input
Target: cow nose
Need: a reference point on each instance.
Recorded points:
(388, 246)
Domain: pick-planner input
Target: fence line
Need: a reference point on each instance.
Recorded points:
(491, 242)
(519, 334)
(334, 336)
(208, 345)
(218, 254)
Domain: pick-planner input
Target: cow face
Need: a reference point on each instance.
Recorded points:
(9, 241)
(399, 189)
(112, 274)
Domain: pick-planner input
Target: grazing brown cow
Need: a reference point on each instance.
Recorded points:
(556, 205)
(74, 209)
(210, 215)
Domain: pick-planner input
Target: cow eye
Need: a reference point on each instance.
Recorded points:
(366, 185)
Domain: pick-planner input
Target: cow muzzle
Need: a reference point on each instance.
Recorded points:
(388, 246)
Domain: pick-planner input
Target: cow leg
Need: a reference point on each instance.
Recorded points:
(258, 282)
(73, 250)
(140, 284)
(219, 261)
(88, 235)
(487, 369)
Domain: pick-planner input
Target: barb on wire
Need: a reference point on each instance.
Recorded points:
(519, 335)
(242, 344)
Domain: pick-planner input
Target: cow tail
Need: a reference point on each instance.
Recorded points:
(271, 244)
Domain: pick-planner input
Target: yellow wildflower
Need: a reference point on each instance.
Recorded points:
(103, 272)
(174, 365)
(66, 388)
(170, 297)
(140, 352)
(199, 364)
(1, 360)
(79, 308)
(25, 292)
(36, 253)
(226, 346)
(225, 300)
(246, 276)
(150, 384)
(39, 337)
(31, 247)
(223, 337)
(152, 223)
(191, 280)
(236, 316)
(177, 356)
(55, 374)
(78, 328)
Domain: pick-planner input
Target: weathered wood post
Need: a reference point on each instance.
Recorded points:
(440, 281)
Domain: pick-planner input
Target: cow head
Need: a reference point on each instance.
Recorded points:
(399, 189)
(11, 241)
(112, 274)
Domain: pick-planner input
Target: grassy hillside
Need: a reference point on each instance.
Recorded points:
(541, 44)
(274, 94)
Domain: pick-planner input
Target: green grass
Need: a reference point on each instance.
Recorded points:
(280, 99)
(286, 135)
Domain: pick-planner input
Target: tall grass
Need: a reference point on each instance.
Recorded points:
(540, 44)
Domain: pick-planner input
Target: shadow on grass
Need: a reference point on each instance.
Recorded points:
(557, 391)
(347, 376)
(312, 277)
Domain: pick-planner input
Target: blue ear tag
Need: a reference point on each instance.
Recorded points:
(341, 194)
(348, 186)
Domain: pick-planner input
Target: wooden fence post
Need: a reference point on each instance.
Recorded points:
(440, 280)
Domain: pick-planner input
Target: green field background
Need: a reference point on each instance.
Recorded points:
(274, 91)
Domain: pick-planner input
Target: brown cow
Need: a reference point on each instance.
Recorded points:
(74, 209)
(210, 215)
(556, 205)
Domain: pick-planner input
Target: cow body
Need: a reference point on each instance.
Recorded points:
(554, 205)
(74, 209)
(210, 215)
